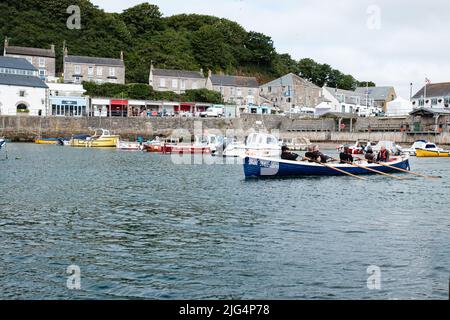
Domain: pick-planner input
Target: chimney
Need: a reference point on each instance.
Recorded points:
(209, 73)
(121, 55)
(201, 70)
(6, 42)
(52, 47)
(66, 52)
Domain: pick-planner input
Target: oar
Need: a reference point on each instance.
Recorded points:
(337, 169)
(373, 170)
(407, 171)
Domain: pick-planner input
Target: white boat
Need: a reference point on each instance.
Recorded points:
(257, 144)
(392, 147)
(424, 145)
(129, 146)
(2, 143)
(211, 141)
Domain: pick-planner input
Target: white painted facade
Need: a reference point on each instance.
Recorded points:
(12, 97)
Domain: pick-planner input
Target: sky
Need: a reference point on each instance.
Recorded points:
(393, 43)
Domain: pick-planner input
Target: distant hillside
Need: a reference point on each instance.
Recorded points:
(180, 42)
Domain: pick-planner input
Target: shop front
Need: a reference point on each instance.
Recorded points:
(69, 106)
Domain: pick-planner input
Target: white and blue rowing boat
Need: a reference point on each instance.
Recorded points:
(2, 143)
(260, 167)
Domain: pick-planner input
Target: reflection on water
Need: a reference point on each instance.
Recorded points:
(140, 226)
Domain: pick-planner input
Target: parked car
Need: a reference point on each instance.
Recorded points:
(215, 111)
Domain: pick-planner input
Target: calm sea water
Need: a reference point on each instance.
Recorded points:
(140, 226)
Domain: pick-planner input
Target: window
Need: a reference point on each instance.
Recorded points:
(112, 72)
(342, 109)
(100, 71)
(162, 83)
(269, 89)
(183, 84)
(41, 62)
(22, 93)
(90, 71)
(239, 92)
(174, 83)
(434, 102)
(194, 85)
(250, 92)
(77, 69)
(421, 103)
(42, 73)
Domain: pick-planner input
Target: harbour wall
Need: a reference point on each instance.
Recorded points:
(25, 128)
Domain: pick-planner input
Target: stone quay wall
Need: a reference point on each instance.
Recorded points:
(26, 128)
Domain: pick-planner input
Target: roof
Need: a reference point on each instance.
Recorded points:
(94, 60)
(178, 73)
(434, 90)
(37, 52)
(21, 81)
(288, 80)
(376, 93)
(234, 81)
(429, 111)
(339, 115)
(16, 63)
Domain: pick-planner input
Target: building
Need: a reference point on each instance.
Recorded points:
(21, 90)
(177, 81)
(380, 95)
(67, 100)
(345, 101)
(100, 70)
(235, 89)
(435, 95)
(42, 59)
(290, 91)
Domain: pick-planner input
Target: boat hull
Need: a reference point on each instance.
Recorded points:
(421, 153)
(47, 141)
(272, 168)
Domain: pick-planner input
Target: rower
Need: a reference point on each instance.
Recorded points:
(383, 155)
(346, 155)
(286, 155)
(369, 156)
(315, 155)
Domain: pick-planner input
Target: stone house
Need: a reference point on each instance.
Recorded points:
(290, 91)
(177, 81)
(100, 70)
(42, 59)
(235, 89)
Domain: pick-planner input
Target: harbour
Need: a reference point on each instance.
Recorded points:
(141, 226)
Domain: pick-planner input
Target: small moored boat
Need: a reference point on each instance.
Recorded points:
(426, 153)
(99, 140)
(129, 146)
(2, 143)
(259, 167)
(49, 141)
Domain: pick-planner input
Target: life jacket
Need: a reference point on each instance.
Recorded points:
(383, 154)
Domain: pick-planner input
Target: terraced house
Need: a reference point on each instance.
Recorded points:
(42, 59)
(177, 81)
(235, 89)
(100, 70)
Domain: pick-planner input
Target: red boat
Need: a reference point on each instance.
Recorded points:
(185, 149)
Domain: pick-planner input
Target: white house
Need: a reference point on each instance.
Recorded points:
(21, 91)
(435, 96)
(345, 101)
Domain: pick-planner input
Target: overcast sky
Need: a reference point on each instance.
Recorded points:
(388, 42)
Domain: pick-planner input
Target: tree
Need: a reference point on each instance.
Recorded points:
(142, 18)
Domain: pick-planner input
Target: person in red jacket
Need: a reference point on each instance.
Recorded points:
(383, 155)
